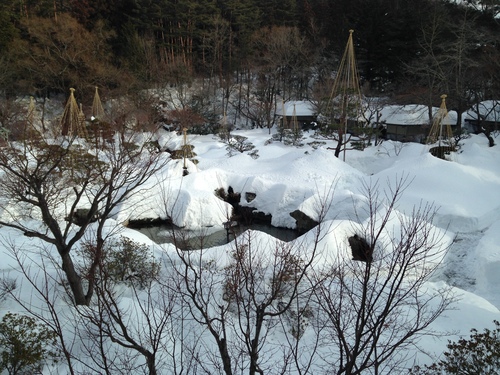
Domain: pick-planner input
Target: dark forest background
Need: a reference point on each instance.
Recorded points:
(412, 51)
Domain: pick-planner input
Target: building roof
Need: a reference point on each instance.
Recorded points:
(488, 110)
(302, 108)
(412, 114)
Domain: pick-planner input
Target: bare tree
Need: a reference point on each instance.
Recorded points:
(377, 306)
(122, 329)
(67, 184)
(483, 112)
(281, 69)
(237, 303)
(302, 333)
(197, 281)
(490, 7)
(261, 288)
(372, 112)
(260, 105)
(242, 298)
(60, 54)
(284, 55)
(12, 119)
(132, 325)
(46, 289)
(457, 57)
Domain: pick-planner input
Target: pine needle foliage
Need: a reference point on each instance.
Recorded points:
(25, 345)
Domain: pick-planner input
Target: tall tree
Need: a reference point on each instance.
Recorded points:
(284, 56)
(458, 53)
(278, 13)
(8, 18)
(54, 55)
(243, 17)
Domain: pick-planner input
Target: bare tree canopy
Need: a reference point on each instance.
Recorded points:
(67, 183)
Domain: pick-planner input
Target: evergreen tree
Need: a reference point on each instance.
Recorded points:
(52, 56)
(278, 13)
(7, 21)
(243, 17)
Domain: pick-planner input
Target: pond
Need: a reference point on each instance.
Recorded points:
(208, 237)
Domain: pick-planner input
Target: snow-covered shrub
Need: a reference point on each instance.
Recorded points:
(293, 137)
(240, 144)
(316, 144)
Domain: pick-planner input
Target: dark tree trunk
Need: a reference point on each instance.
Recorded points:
(150, 360)
(225, 357)
(254, 349)
(491, 141)
(338, 148)
(74, 280)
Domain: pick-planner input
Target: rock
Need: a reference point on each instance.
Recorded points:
(250, 196)
(303, 223)
(360, 249)
(261, 218)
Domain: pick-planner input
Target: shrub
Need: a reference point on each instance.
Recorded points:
(317, 144)
(25, 345)
(479, 354)
(293, 137)
(186, 151)
(241, 144)
(131, 262)
(234, 283)
(126, 261)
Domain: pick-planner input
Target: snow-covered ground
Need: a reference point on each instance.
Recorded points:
(465, 189)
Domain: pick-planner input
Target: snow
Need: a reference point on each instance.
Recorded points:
(465, 190)
(412, 114)
(301, 108)
(487, 253)
(488, 110)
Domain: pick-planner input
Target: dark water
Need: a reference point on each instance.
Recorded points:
(209, 237)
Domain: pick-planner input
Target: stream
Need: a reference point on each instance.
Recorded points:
(208, 237)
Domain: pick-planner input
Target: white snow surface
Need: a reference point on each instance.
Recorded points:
(296, 107)
(465, 189)
(488, 110)
(412, 114)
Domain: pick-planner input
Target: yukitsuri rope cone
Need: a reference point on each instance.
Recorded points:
(441, 128)
(345, 98)
(441, 132)
(31, 132)
(72, 121)
(97, 109)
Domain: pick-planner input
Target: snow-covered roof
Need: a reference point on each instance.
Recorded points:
(488, 110)
(412, 114)
(302, 108)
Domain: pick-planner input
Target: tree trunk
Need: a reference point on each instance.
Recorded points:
(74, 280)
(491, 141)
(338, 148)
(254, 349)
(150, 360)
(225, 357)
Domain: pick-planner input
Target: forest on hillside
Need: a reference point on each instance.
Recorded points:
(412, 51)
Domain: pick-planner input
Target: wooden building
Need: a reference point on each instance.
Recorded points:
(484, 115)
(301, 111)
(409, 123)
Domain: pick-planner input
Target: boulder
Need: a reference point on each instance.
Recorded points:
(303, 223)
